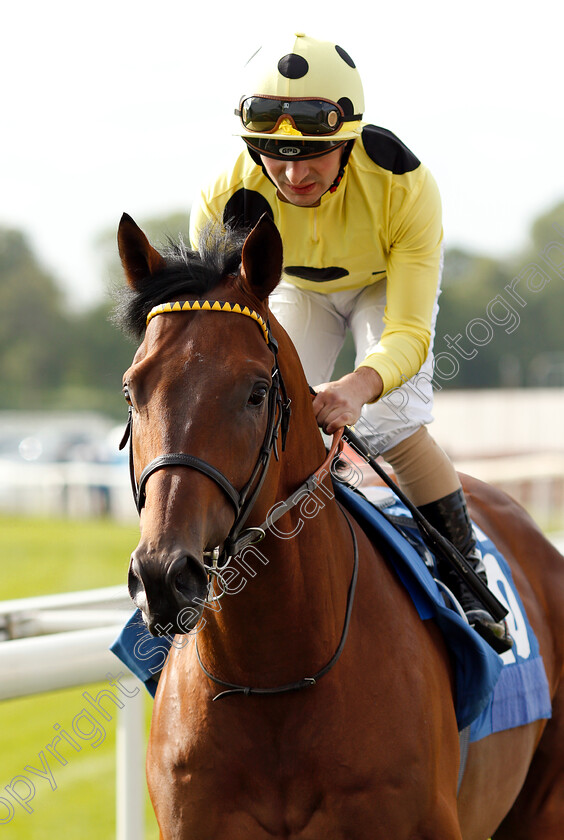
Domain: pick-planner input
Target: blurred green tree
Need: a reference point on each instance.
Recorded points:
(34, 330)
(50, 357)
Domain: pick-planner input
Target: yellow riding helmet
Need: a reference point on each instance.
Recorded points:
(302, 91)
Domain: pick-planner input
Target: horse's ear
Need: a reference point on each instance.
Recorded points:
(138, 257)
(261, 259)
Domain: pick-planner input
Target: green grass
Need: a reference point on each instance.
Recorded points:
(41, 557)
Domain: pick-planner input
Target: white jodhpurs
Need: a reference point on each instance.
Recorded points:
(317, 324)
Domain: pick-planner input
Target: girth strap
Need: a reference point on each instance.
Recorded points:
(180, 459)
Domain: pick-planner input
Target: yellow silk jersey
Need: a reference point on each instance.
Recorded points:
(382, 221)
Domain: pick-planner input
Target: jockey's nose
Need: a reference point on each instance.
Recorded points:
(297, 171)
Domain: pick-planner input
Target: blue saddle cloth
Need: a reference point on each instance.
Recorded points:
(492, 692)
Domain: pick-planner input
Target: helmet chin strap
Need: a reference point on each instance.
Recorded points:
(344, 160)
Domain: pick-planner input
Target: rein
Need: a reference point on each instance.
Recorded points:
(243, 500)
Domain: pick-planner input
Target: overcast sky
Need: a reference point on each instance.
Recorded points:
(126, 105)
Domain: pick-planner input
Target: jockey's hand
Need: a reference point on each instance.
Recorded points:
(337, 404)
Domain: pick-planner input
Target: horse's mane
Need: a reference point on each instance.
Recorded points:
(187, 274)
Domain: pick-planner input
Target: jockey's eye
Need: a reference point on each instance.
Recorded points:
(258, 394)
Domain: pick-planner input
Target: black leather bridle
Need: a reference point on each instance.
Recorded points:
(244, 499)
(277, 424)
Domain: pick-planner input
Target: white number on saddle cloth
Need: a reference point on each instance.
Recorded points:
(502, 589)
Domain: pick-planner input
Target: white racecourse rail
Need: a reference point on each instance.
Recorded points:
(77, 630)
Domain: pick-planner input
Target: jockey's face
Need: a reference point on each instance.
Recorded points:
(303, 182)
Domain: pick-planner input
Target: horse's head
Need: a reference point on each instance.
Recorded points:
(204, 397)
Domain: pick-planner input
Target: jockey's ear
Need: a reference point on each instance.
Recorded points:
(138, 257)
(261, 259)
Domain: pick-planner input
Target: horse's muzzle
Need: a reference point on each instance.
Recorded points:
(169, 592)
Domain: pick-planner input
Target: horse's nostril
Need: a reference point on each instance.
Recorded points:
(183, 583)
(187, 577)
(169, 593)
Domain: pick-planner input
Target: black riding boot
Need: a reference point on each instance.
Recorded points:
(449, 516)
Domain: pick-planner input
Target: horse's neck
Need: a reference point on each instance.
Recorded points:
(286, 600)
(286, 597)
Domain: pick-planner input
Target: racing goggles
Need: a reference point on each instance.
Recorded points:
(312, 117)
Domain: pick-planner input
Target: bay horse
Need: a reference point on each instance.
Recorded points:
(336, 720)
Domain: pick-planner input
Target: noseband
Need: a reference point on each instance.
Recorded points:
(277, 423)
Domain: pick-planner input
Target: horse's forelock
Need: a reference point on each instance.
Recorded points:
(187, 274)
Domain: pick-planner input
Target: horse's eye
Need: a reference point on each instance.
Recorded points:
(258, 395)
(126, 394)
